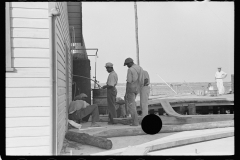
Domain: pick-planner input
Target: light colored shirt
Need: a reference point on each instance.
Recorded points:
(146, 75)
(112, 79)
(220, 74)
(134, 72)
(76, 105)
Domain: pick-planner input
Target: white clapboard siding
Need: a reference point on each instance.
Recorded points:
(30, 43)
(30, 52)
(28, 131)
(29, 23)
(61, 75)
(43, 5)
(29, 33)
(61, 107)
(29, 72)
(61, 98)
(28, 141)
(28, 13)
(60, 66)
(61, 83)
(61, 90)
(28, 112)
(27, 121)
(27, 92)
(39, 150)
(31, 62)
(28, 102)
(28, 82)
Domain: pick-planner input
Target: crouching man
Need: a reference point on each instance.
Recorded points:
(79, 109)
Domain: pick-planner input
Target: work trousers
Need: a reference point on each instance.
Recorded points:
(221, 89)
(132, 107)
(144, 95)
(83, 112)
(111, 99)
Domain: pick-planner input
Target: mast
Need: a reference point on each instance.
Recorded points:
(136, 29)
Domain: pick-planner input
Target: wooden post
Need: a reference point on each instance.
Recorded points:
(191, 109)
(136, 28)
(88, 139)
(232, 83)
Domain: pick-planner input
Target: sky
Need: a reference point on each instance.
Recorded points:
(179, 41)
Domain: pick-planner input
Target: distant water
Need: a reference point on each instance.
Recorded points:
(163, 89)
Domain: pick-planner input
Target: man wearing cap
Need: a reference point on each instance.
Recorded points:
(79, 109)
(135, 82)
(111, 92)
(144, 94)
(219, 76)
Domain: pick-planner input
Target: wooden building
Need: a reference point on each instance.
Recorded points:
(39, 74)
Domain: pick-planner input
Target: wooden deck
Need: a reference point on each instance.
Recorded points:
(184, 100)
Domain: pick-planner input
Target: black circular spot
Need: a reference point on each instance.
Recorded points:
(151, 124)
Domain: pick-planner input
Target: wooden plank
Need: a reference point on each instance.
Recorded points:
(61, 99)
(43, 5)
(61, 75)
(27, 92)
(73, 15)
(74, 21)
(29, 23)
(61, 119)
(29, 13)
(61, 59)
(28, 102)
(73, 3)
(27, 82)
(133, 131)
(31, 52)
(60, 66)
(28, 122)
(61, 83)
(73, 8)
(61, 107)
(61, 91)
(30, 43)
(31, 62)
(29, 33)
(76, 26)
(28, 131)
(28, 112)
(40, 150)
(27, 141)
(29, 73)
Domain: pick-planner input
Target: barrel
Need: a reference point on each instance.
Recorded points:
(100, 98)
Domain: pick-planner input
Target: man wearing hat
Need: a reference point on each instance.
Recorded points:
(135, 82)
(219, 76)
(111, 92)
(79, 109)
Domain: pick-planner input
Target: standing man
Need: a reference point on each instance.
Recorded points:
(219, 76)
(144, 94)
(135, 82)
(111, 92)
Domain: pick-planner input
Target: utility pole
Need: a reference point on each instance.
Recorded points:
(136, 28)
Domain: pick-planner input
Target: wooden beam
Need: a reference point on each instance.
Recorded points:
(133, 131)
